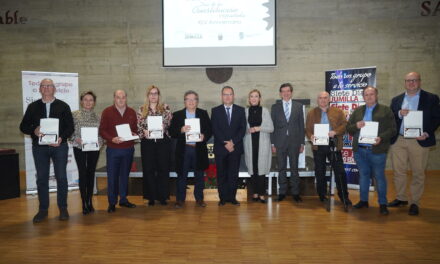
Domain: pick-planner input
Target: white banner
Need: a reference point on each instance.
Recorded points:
(67, 90)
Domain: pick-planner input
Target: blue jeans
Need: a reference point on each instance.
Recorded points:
(118, 170)
(42, 156)
(371, 165)
(190, 161)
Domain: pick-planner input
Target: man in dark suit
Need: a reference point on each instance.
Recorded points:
(229, 128)
(413, 151)
(288, 139)
(190, 154)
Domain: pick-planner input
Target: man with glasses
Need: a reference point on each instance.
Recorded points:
(371, 157)
(229, 128)
(190, 154)
(412, 151)
(49, 107)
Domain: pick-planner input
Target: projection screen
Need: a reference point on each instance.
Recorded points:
(198, 33)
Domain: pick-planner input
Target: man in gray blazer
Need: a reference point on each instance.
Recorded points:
(288, 139)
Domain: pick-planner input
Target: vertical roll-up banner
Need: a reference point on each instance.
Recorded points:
(345, 87)
(67, 90)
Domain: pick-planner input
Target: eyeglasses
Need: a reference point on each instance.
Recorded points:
(412, 80)
(190, 100)
(46, 86)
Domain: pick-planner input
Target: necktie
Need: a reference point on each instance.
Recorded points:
(229, 115)
(287, 111)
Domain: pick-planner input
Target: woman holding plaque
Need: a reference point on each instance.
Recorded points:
(86, 144)
(154, 118)
(257, 146)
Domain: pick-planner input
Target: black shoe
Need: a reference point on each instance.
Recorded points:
(151, 203)
(383, 209)
(178, 204)
(413, 209)
(90, 205)
(127, 204)
(111, 208)
(255, 199)
(347, 203)
(163, 202)
(64, 214)
(85, 208)
(235, 202)
(281, 197)
(221, 203)
(397, 203)
(323, 198)
(40, 216)
(361, 204)
(200, 203)
(263, 201)
(297, 198)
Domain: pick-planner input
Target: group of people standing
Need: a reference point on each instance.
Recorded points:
(236, 130)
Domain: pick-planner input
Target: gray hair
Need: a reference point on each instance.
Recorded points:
(48, 79)
(191, 92)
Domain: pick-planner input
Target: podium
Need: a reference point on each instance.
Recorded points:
(10, 175)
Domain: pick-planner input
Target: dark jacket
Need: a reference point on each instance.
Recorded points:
(387, 126)
(429, 104)
(222, 131)
(177, 123)
(37, 110)
(294, 126)
(336, 118)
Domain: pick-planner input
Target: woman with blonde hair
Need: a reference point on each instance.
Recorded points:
(155, 153)
(257, 146)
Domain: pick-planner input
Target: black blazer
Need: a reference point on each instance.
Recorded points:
(37, 110)
(223, 131)
(177, 123)
(429, 104)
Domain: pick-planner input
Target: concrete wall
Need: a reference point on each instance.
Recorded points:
(116, 44)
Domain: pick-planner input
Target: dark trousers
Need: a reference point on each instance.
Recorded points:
(156, 168)
(118, 170)
(258, 184)
(190, 162)
(292, 151)
(42, 156)
(86, 162)
(228, 166)
(319, 157)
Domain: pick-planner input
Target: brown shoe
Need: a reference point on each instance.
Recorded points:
(201, 203)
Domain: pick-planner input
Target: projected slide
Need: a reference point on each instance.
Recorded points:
(219, 32)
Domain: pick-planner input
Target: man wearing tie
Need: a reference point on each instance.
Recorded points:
(229, 128)
(288, 139)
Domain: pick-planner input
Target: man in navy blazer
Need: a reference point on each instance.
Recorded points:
(228, 127)
(412, 151)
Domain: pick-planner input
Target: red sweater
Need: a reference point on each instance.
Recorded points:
(111, 117)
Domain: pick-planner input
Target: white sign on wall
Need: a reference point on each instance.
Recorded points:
(67, 90)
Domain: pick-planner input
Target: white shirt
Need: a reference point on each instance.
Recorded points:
(48, 106)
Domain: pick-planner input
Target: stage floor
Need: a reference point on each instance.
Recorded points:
(251, 233)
